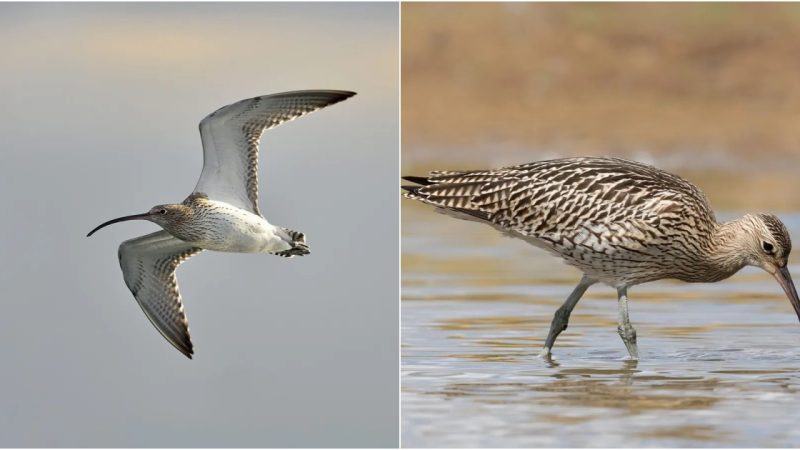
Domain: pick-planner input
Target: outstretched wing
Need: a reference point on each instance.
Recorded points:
(148, 266)
(230, 141)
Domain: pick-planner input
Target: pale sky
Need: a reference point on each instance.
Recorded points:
(99, 119)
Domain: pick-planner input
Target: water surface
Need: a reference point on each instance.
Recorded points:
(719, 362)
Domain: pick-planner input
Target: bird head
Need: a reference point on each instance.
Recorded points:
(768, 247)
(164, 214)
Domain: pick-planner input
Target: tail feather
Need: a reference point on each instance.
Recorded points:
(411, 191)
(419, 180)
(453, 197)
(299, 247)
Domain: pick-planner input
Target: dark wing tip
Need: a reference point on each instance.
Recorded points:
(334, 92)
(320, 97)
(184, 346)
(344, 94)
(337, 96)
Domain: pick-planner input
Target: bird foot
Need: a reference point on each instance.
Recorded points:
(633, 351)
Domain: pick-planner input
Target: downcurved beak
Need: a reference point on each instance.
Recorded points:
(144, 216)
(785, 280)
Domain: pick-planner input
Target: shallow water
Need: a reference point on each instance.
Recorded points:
(719, 362)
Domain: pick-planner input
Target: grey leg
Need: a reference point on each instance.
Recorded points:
(625, 329)
(561, 318)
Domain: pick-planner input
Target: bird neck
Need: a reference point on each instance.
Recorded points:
(729, 249)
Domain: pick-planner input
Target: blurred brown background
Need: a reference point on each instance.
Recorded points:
(710, 91)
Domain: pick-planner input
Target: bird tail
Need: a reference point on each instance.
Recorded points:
(450, 192)
(298, 243)
(411, 191)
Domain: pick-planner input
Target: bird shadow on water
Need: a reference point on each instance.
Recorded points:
(615, 384)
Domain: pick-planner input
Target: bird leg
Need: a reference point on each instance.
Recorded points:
(561, 318)
(625, 329)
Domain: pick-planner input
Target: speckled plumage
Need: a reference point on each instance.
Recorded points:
(221, 214)
(148, 266)
(620, 222)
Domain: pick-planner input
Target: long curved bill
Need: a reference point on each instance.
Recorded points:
(123, 219)
(785, 280)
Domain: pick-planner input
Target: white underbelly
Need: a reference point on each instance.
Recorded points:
(230, 229)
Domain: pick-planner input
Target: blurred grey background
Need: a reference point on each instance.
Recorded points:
(99, 118)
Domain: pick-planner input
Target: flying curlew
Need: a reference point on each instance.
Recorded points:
(221, 213)
(620, 222)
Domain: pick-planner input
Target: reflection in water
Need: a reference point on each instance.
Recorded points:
(719, 361)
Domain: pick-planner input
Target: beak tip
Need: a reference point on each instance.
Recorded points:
(785, 280)
(144, 216)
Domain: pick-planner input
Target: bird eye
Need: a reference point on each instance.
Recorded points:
(769, 248)
(162, 211)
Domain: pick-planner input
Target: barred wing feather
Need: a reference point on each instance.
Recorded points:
(231, 138)
(148, 266)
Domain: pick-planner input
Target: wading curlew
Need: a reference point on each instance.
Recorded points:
(620, 222)
(220, 214)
